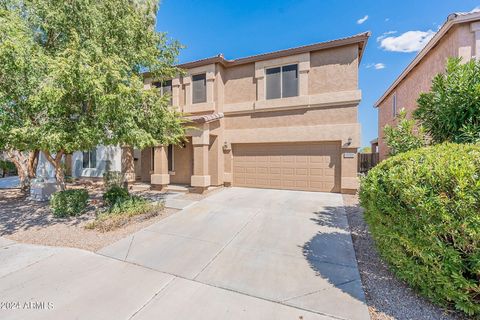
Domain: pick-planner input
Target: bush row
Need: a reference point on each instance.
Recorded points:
(423, 210)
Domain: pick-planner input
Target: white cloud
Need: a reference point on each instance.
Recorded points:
(362, 20)
(387, 19)
(385, 34)
(410, 41)
(376, 66)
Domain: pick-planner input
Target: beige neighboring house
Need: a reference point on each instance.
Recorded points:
(283, 120)
(458, 37)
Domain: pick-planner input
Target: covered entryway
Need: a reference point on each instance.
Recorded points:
(294, 166)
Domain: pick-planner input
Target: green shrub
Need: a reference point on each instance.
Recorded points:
(7, 167)
(113, 179)
(122, 212)
(423, 210)
(450, 111)
(69, 202)
(405, 136)
(115, 194)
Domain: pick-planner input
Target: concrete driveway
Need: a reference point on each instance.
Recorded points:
(238, 254)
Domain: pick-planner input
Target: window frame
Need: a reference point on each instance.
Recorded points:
(152, 159)
(204, 74)
(89, 154)
(160, 86)
(172, 168)
(281, 80)
(394, 105)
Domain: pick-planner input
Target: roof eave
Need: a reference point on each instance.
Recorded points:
(361, 39)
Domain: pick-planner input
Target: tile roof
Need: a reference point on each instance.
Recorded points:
(205, 118)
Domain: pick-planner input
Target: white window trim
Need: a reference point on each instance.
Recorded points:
(281, 81)
(89, 159)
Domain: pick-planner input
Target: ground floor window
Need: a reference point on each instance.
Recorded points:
(152, 160)
(90, 159)
(170, 158)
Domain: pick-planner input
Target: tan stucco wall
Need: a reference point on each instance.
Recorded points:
(325, 111)
(183, 168)
(146, 164)
(333, 70)
(240, 84)
(458, 41)
(297, 117)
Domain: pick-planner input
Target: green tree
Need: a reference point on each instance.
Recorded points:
(404, 136)
(451, 110)
(80, 66)
(367, 149)
(21, 64)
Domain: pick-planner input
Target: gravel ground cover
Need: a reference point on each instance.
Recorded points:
(32, 222)
(387, 297)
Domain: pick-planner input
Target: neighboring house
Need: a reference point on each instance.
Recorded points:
(284, 120)
(458, 37)
(86, 164)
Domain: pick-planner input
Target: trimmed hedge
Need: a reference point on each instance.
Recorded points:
(423, 210)
(113, 179)
(115, 194)
(69, 202)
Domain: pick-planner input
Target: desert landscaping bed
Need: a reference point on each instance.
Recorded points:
(32, 222)
(387, 297)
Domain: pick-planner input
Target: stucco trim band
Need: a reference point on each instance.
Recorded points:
(336, 132)
(317, 100)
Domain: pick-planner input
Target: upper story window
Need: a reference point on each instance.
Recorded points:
(90, 159)
(394, 105)
(165, 87)
(282, 82)
(199, 88)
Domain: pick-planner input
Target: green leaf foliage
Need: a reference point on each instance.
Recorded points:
(114, 195)
(113, 179)
(69, 202)
(71, 75)
(423, 210)
(450, 112)
(404, 136)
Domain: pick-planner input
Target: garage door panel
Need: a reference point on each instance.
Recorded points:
(298, 166)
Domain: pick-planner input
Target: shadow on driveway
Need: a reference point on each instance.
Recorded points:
(330, 252)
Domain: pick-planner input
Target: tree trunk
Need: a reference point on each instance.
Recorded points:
(20, 159)
(57, 164)
(33, 163)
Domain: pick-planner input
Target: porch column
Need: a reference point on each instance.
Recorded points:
(200, 141)
(128, 164)
(160, 177)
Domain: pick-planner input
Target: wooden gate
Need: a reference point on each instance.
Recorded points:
(367, 161)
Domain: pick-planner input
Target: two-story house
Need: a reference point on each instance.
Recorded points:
(284, 120)
(458, 37)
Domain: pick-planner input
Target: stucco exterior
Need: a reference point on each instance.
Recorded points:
(237, 112)
(314, 135)
(458, 37)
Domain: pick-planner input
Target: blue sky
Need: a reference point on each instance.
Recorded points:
(243, 28)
